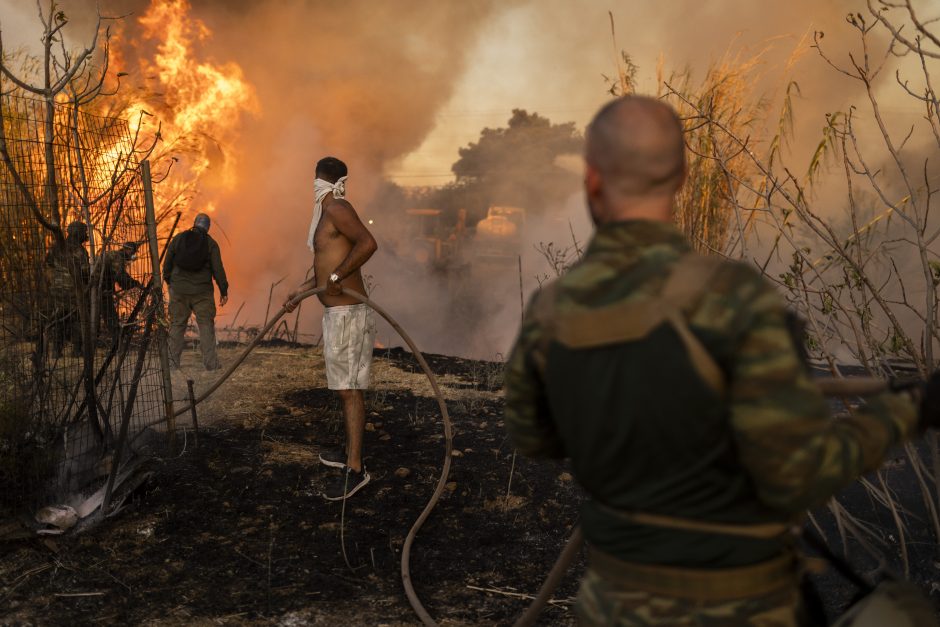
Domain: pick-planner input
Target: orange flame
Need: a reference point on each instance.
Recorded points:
(199, 104)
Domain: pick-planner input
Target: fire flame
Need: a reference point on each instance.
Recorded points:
(199, 104)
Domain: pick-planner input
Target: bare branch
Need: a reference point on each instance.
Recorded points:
(20, 184)
(921, 27)
(896, 31)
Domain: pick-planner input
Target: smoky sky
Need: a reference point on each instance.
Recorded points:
(366, 81)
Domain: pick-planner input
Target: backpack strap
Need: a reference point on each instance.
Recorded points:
(685, 286)
(706, 366)
(633, 320)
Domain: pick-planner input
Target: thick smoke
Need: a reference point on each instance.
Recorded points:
(694, 36)
(570, 47)
(358, 80)
(364, 81)
(332, 79)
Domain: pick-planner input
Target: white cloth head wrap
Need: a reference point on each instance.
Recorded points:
(320, 189)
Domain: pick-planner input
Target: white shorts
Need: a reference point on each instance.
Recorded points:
(348, 337)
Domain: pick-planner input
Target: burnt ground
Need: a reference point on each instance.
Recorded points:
(901, 537)
(234, 531)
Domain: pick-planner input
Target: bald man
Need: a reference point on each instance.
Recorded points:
(671, 381)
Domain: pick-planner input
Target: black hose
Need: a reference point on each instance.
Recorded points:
(562, 564)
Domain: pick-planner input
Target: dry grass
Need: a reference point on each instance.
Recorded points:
(717, 111)
(255, 390)
(251, 392)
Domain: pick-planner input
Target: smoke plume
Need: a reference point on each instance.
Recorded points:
(366, 81)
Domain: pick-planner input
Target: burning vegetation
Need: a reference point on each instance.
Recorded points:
(194, 107)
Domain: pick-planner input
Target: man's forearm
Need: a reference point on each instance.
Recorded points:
(126, 281)
(168, 266)
(309, 284)
(218, 270)
(360, 253)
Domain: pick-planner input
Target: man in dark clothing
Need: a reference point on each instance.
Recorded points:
(114, 270)
(672, 382)
(66, 263)
(192, 261)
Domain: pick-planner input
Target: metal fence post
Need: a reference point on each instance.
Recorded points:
(158, 298)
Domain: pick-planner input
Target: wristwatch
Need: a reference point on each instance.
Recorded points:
(334, 278)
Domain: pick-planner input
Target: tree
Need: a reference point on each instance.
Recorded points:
(516, 165)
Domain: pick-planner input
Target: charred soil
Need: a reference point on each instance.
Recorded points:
(236, 530)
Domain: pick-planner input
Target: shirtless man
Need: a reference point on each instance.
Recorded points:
(341, 244)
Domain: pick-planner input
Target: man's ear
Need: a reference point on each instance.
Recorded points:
(593, 190)
(592, 181)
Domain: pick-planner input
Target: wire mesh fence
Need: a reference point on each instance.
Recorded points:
(79, 320)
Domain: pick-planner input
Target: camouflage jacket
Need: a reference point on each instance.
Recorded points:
(113, 265)
(61, 261)
(645, 433)
(193, 283)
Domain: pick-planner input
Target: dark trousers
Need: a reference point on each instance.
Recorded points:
(182, 306)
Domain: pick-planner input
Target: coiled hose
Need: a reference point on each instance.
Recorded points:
(448, 428)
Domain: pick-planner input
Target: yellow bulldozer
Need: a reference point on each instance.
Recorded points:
(499, 236)
(425, 240)
(454, 252)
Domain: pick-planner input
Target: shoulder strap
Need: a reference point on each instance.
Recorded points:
(686, 284)
(701, 359)
(633, 320)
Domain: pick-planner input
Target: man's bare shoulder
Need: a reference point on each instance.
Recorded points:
(339, 206)
(344, 219)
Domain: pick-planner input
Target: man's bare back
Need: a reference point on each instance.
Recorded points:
(332, 247)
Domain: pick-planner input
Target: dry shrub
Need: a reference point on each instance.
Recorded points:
(722, 105)
(862, 270)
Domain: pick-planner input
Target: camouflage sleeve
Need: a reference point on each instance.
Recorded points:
(797, 455)
(218, 270)
(528, 420)
(123, 278)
